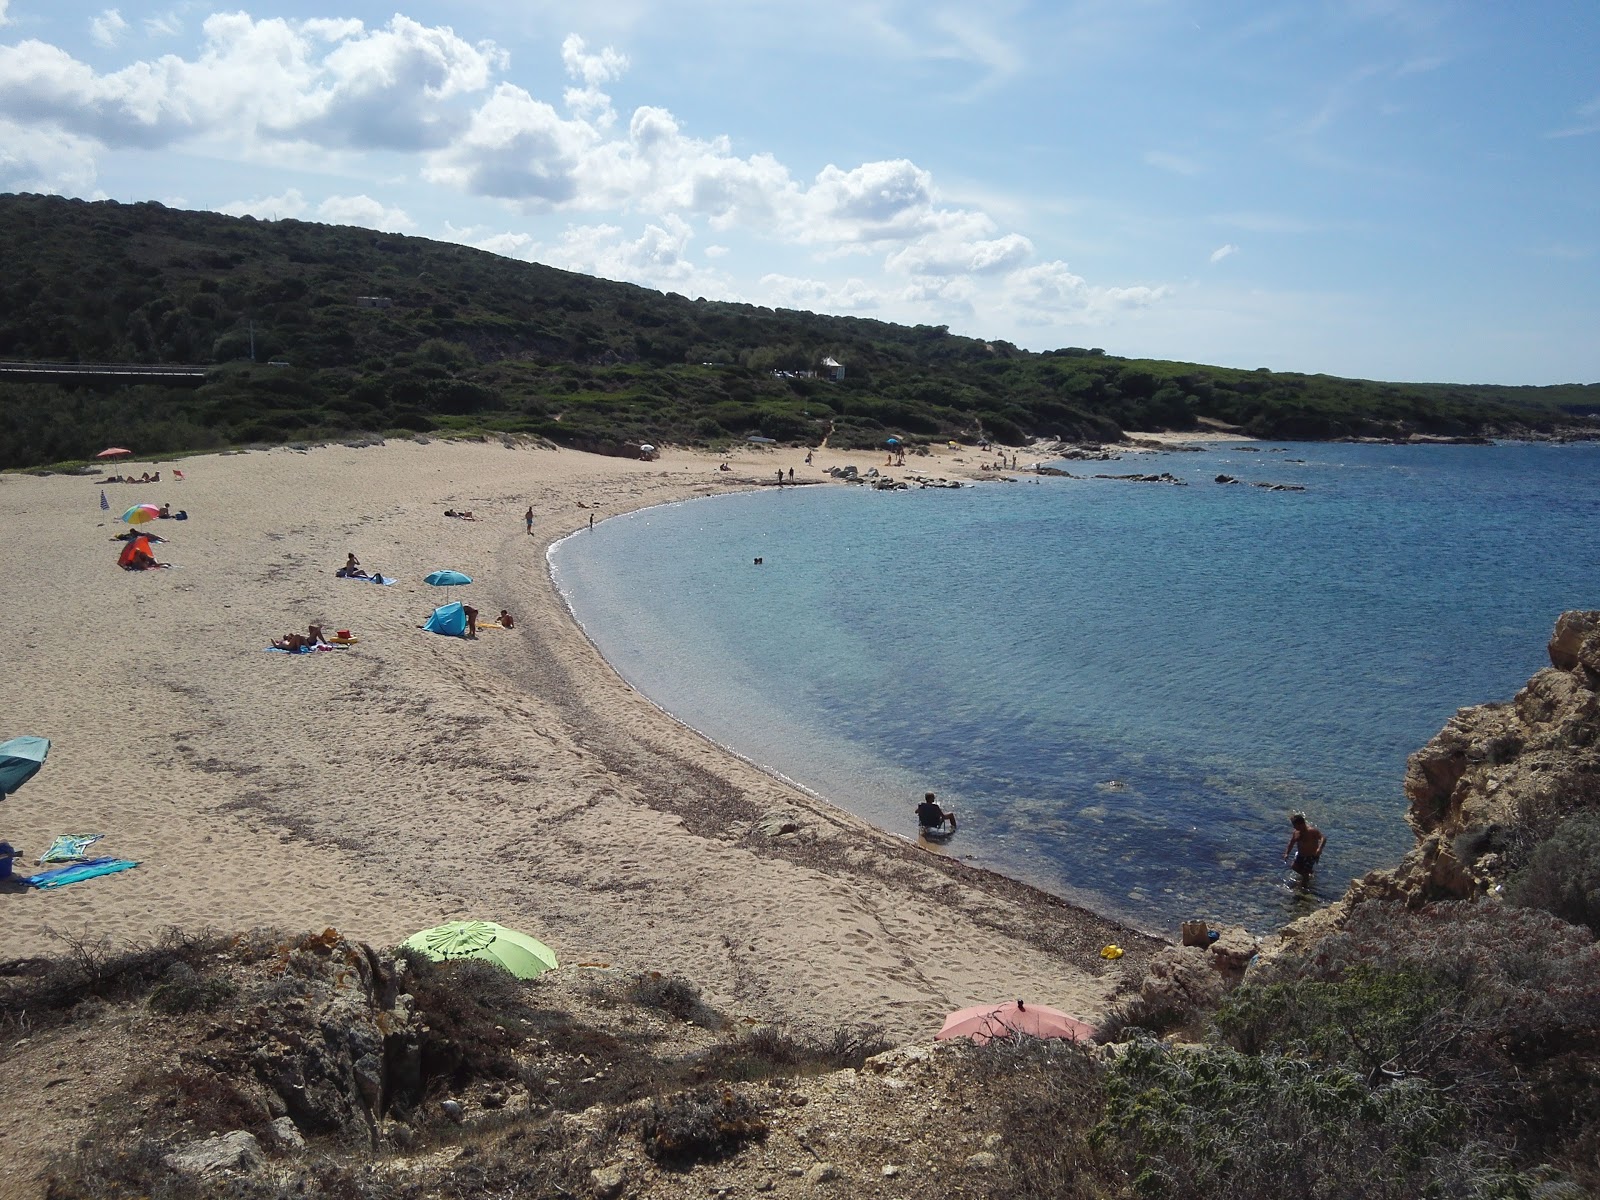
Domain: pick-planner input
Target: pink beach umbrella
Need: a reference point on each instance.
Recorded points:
(114, 452)
(985, 1022)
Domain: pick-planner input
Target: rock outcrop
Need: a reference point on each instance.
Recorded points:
(1498, 771)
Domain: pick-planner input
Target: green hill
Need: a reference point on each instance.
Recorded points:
(460, 340)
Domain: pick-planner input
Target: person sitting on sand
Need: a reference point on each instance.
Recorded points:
(505, 620)
(142, 560)
(932, 818)
(165, 512)
(7, 854)
(352, 568)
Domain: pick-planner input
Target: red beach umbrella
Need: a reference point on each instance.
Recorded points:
(985, 1022)
(114, 452)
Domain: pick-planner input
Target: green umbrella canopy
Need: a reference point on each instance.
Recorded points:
(523, 956)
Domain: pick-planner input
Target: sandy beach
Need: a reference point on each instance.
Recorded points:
(413, 778)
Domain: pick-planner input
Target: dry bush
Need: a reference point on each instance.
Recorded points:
(676, 997)
(705, 1124)
(1136, 1015)
(1045, 1094)
(772, 1050)
(39, 993)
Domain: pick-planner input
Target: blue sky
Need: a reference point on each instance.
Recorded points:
(1392, 189)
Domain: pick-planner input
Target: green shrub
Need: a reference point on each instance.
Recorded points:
(1562, 875)
(1211, 1122)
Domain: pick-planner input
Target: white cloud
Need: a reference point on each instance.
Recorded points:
(515, 148)
(41, 160)
(815, 295)
(1223, 251)
(167, 24)
(363, 211)
(4, 20)
(1587, 120)
(1051, 292)
(289, 205)
(333, 83)
(640, 189)
(1177, 164)
(107, 29)
(292, 204)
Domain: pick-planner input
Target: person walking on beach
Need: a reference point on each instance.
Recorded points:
(1305, 843)
(528, 518)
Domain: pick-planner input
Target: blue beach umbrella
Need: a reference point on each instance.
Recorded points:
(20, 760)
(891, 441)
(448, 578)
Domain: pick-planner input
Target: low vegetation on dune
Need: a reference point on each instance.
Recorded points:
(1447, 1051)
(313, 331)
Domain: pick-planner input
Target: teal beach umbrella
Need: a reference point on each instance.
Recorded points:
(524, 956)
(448, 578)
(20, 760)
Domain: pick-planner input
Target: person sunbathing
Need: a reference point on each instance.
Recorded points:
(505, 620)
(143, 561)
(352, 568)
(292, 642)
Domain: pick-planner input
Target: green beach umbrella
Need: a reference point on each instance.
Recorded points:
(523, 956)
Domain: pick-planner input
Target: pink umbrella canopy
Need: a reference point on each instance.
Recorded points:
(113, 452)
(985, 1022)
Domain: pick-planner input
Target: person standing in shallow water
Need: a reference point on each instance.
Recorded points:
(1305, 843)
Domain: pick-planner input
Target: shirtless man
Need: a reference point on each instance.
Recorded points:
(1305, 843)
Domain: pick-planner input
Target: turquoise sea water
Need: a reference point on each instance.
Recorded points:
(1123, 688)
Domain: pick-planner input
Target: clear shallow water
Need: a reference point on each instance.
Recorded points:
(1123, 688)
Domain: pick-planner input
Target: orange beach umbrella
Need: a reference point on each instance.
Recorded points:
(113, 452)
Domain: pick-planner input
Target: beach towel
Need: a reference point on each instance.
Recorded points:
(380, 579)
(61, 876)
(70, 847)
(302, 650)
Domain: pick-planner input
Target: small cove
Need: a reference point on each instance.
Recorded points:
(1124, 688)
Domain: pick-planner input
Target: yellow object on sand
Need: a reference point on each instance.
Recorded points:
(1112, 951)
(339, 641)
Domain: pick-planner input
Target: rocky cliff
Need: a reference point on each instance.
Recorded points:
(1497, 778)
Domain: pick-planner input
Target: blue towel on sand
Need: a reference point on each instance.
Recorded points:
(381, 579)
(77, 872)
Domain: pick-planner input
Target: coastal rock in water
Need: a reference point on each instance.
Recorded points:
(1226, 479)
(1280, 487)
(1495, 766)
(1164, 477)
(1054, 471)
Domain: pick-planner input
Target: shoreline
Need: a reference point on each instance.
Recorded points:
(413, 779)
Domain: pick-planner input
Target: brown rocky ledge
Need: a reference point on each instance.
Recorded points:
(1496, 776)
